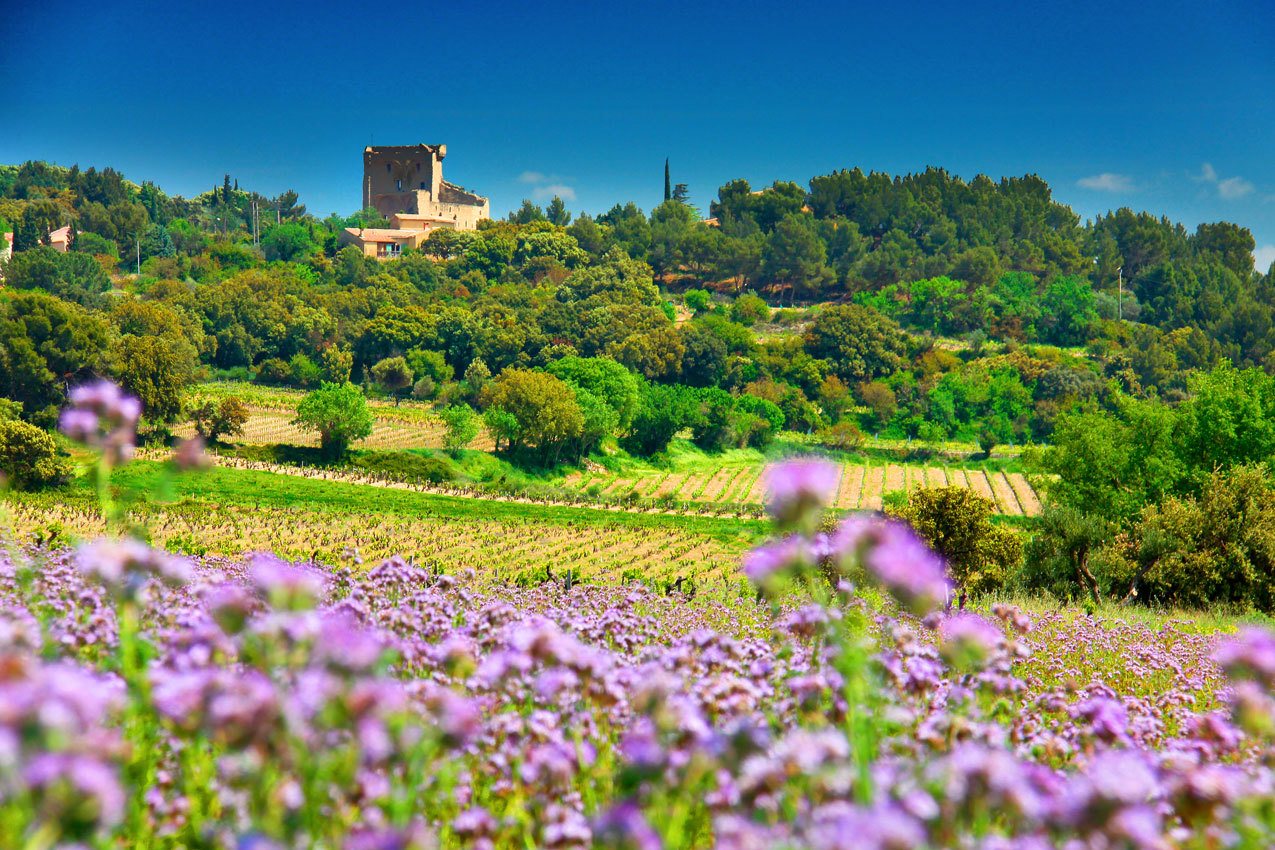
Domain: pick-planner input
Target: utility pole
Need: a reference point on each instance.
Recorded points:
(139, 256)
(1120, 292)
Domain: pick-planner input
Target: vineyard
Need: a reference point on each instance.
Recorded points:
(409, 425)
(862, 487)
(713, 486)
(532, 549)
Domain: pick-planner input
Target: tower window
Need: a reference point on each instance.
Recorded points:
(398, 185)
(387, 168)
(422, 184)
(418, 168)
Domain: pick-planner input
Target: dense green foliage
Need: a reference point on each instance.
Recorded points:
(1168, 502)
(213, 420)
(919, 255)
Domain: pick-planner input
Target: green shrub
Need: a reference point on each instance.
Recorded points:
(957, 523)
(29, 456)
(696, 300)
(843, 436)
(412, 467)
(1063, 554)
(274, 371)
(224, 419)
(1211, 549)
(748, 310)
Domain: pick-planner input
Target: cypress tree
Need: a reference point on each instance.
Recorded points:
(668, 189)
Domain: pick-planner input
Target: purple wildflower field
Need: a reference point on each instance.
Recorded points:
(149, 700)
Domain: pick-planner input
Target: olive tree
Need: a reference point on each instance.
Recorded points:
(338, 413)
(393, 374)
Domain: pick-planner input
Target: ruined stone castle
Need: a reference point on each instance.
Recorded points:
(408, 180)
(405, 184)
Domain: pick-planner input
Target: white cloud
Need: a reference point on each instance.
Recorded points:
(532, 177)
(1263, 257)
(1107, 182)
(545, 193)
(1234, 187)
(1208, 174)
(1228, 189)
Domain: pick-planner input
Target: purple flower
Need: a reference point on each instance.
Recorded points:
(624, 827)
(243, 709)
(190, 454)
(841, 826)
(77, 792)
(231, 606)
(237, 709)
(1121, 778)
(1250, 655)
(285, 586)
(1252, 708)
(1014, 616)
(108, 401)
(1108, 719)
(125, 565)
(456, 717)
(474, 822)
(101, 415)
(79, 425)
(415, 837)
(967, 641)
(764, 564)
(345, 646)
(798, 488)
(892, 553)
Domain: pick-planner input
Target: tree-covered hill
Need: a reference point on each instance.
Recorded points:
(976, 309)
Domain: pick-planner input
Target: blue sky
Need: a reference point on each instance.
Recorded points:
(1168, 107)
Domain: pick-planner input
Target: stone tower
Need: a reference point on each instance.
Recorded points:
(408, 179)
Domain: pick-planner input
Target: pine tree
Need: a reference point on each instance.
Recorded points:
(668, 191)
(225, 190)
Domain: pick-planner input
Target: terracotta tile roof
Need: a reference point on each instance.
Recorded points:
(373, 234)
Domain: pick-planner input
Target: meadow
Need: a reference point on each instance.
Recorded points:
(268, 661)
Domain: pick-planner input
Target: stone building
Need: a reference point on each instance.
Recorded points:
(408, 179)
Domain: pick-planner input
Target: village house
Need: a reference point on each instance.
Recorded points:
(406, 230)
(60, 239)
